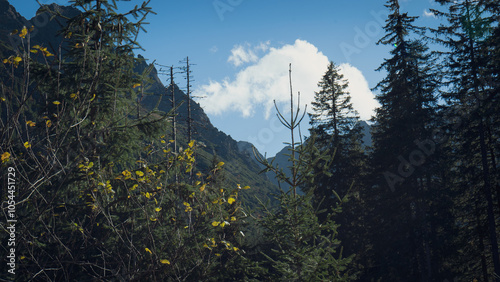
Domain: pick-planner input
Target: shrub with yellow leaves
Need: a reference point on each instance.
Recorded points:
(91, 195)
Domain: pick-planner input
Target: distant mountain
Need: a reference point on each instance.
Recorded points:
(45, 31)
(366, 131)
(216, 144)
(281, 159)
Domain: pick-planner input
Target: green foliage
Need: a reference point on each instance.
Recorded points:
(303, 247)
(340, 166)
(104, 197)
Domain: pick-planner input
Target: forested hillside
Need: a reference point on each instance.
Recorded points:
(110, 175)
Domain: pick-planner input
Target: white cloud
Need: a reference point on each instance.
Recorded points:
(362, 98)
(266, 79)
(263, 46)
(242, 54)
(214, 49)
(428, 14)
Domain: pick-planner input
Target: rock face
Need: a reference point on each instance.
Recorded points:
(45, 31)
(10, 19)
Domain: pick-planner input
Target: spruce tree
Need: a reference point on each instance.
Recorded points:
(334, 125)
(399, 196)
(472, 103)
(304, 246)
(334, 128)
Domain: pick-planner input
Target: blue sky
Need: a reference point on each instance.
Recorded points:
(242, 49)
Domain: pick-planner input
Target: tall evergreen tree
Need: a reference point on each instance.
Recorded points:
(334, 125)
(334, 128)
(470, 83)
(304, 245)
(400, 193)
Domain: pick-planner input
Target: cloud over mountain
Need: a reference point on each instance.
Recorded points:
(265, 79)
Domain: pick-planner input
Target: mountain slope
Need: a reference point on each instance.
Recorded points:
(214, 144)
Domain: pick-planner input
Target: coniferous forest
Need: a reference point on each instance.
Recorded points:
(109, 175)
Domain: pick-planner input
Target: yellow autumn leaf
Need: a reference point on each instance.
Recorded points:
(246, 187)
(231, 200)
(158, 209)
(235, 249)
(127, 174)
(23, 32)
(152, 219)
(48, 123)
(148, 250)
(5, 157)
(202, 188)
(56, 103)
(139, 173)
(34, 51)
(2, 99)
(220, 164)
(30, 123)
(165, 261)
(73, 96)
(136, 85)
(215, 223)
(191, 144)
(27, 145)
(17, 59)
(47, 53)
(233, 218)
(134, 187)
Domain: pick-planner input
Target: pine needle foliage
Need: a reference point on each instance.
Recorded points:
(303, 247)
